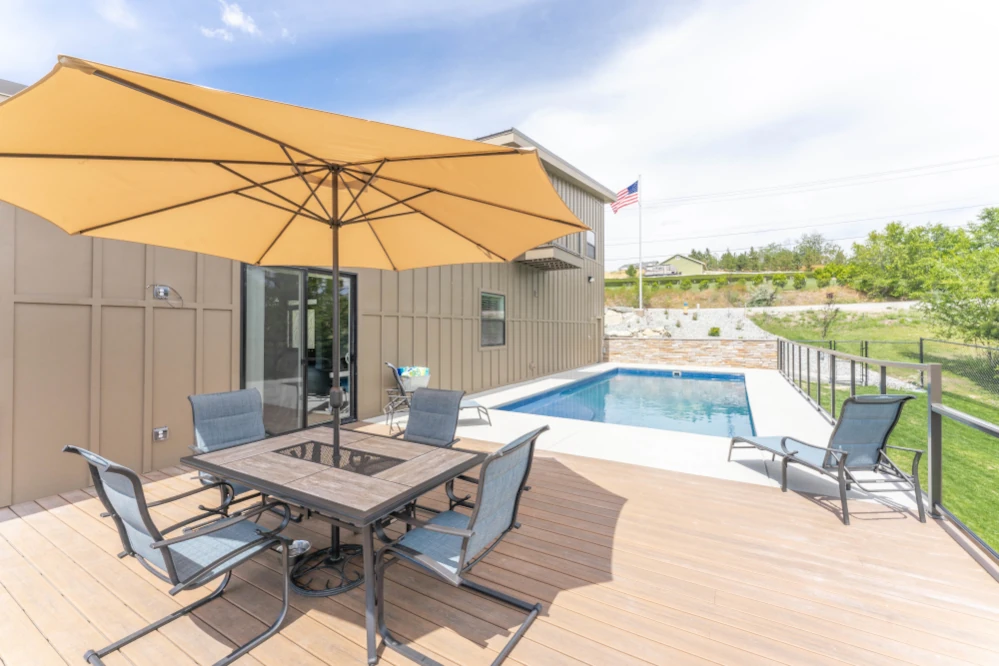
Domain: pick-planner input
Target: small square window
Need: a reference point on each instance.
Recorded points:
(493, 315)
(591, 245)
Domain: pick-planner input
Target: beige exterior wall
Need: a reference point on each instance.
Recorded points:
(430, 317)
(87, 357)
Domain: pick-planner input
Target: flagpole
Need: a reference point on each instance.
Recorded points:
(640, 262)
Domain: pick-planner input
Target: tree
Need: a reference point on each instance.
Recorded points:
(800, 281)
(779, 280)
(898, 262)
(962, 296)
(631, 271)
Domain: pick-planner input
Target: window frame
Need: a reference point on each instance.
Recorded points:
(587, 245)
(506, 328)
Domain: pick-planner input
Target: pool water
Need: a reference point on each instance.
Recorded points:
(697, 402)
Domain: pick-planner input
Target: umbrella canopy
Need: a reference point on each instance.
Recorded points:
(110, 153)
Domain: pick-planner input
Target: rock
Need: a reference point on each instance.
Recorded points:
(656, 318)
(620, 308)
(617, 333)
(612, 318)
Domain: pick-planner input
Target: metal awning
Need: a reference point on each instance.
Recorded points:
(551, 258)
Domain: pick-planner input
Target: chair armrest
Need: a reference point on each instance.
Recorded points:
(430, 527)
(194, 491)
(230, 521)
(838, 455)
(469, 479)
(918, 452)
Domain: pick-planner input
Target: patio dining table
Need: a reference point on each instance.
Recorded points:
(370, 477)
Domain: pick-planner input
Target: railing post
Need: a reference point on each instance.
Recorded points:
(883, 381)
(934, 444)
(922, 379)
(832, 386)
(799, 367)
(818, 379)
(808, 371)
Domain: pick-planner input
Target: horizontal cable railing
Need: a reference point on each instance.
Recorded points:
(820, 373)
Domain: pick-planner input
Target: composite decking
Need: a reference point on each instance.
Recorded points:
(633, 565)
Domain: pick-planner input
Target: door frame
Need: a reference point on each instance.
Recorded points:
(304, 271)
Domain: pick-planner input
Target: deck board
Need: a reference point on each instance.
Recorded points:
(633, 565)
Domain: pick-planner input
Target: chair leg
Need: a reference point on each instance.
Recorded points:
(731, 445)
(94, 656)
(843, 485)
(390, 641)
(919, 491)
(783, 473)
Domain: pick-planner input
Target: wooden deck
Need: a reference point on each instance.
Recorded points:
(633, 566)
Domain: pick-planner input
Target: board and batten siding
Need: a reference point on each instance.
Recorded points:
(430, 317)
(88, 358)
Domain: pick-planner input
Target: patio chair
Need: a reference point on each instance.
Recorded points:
(451, 543)
(858, 443)
(198, 556)
(400, 399)
(223, 420)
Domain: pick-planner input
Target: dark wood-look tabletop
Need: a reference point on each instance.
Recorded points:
(374, 475)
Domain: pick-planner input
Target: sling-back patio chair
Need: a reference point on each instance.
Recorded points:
(451, 543)
(859, 442)
(199, 555)
(224, 420)
(401, 399)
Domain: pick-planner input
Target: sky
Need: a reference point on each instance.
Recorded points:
(749, 121)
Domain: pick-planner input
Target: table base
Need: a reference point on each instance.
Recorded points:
(324, 572)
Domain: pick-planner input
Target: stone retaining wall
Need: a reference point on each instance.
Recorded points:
(733, 353)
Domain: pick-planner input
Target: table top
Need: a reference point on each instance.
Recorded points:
(374, 475)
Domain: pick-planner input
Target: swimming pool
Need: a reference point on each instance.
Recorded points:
(697, 402)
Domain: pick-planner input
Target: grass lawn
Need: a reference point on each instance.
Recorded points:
(970, 458)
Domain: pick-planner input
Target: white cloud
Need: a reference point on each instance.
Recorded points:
(760, 93)
(234, 17)
(216, 33)
(118, 13)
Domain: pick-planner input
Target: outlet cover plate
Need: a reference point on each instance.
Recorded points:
(161, 434)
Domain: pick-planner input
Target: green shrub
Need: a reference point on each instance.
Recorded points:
(779, 280)
(800, 281)
(721, 281)
(714, 332)
(686, 284)
(741, 281)
(757, 280)
(822, 282)
(762, 295)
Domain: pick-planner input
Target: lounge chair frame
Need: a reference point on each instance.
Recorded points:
(835, 464)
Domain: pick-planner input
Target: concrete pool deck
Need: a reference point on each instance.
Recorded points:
(777, 409)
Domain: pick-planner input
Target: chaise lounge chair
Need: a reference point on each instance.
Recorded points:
(858, 443)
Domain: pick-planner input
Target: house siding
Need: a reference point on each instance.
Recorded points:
(430, 317)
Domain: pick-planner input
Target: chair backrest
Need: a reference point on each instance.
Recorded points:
(864, 425)
(120, 490)
(433, 417)
(501, 483)
(227, 419)
(398, 379)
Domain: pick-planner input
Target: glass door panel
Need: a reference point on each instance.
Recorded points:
(272, 344)
(321, 369)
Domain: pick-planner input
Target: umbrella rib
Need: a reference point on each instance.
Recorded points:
(360, 192)
(312, 192)
(358, 218)
(140, 158)
(483, 202)
(280, 207)
(292, 219)
(416, 158)
(263, 187)
(207, 114)
(438, 222)
(377, 237)
(185, 203)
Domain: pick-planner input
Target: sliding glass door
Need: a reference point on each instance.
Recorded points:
(288, 350)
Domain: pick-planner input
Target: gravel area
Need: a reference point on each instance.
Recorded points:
(673, 323)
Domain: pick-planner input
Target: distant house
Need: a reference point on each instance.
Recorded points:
(678, 264)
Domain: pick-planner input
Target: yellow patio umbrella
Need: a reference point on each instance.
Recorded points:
(106, 152)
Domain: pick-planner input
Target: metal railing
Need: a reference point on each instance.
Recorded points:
(801, 363)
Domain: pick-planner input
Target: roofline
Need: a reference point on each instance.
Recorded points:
(683, 256)
(10, 88)
(552, 161)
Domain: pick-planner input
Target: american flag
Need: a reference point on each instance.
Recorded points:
(626, 197)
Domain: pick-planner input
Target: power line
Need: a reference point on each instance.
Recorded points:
(805, 226)
(828, 183)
